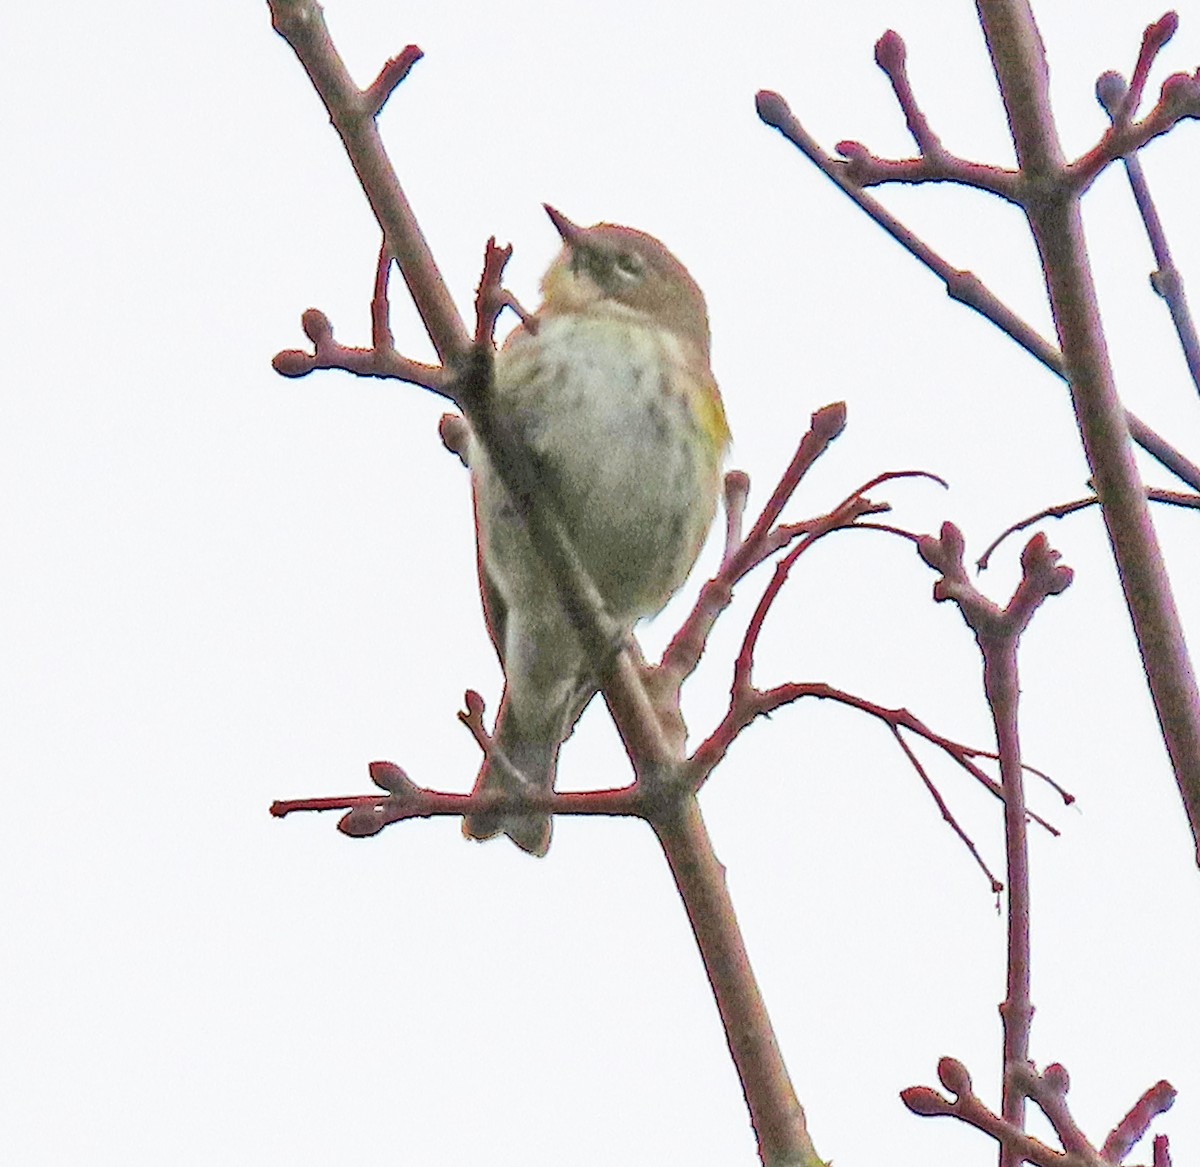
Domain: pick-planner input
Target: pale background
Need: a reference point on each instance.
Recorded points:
(222, 588)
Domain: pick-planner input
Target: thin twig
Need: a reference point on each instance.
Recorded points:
(1062, 509)
(684, 651)
(1158, 1099)
(362, 362)
(737, 491)
(352, 111)
(393, 72)
(891, 55)
(1180, 99)
(381, 319)
(1153, 40)
(753, 703)
(1166, 279)
(947, 814)
(1048, 1090)
(963, 286)
(845, 514)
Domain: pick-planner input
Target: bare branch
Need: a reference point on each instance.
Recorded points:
(368, 814)
(1048, 1090)
(683, 653)
(777, 1117)
(363, 362)
(1062, 509)
(1155, 1101)
(998, 632)
(1153, 39)
(489, 296)
(1166, 280)
(393, 72)
(352, 112)
(1179, 99)
(381, 321)
(753, 703)
(947, 815)
(963, 286)
(891, 55)
(737, 491)
(935, 163)
(1019, 60)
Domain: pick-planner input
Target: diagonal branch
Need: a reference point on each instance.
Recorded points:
(1062, 509)
(352, 110)
(742, 555)
(394, 71)
(963, 286)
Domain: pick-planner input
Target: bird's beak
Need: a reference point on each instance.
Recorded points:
(569, 231)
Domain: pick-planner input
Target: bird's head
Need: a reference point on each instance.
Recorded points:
(618, 269)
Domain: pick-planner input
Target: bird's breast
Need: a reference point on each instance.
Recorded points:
(607, 408)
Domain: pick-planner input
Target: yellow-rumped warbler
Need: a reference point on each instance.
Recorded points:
(611, 391)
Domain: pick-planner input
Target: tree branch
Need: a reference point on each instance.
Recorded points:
(998, 632)
(1048, 1090)
(1166, 279)
(1018, 57)
(963, 286)
(352, 111)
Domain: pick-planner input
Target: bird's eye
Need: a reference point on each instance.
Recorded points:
(628, 265)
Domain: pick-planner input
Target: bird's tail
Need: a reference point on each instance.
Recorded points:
(536, 762)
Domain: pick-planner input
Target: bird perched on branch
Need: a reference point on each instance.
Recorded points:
(610, 388)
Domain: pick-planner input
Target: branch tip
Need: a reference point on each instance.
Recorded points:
(924, 1101)
(393, 72)
(292, 362)
(954, 1076)
(316, 326)
(890, 51)
(390, 777)
(771, 108)
(1110, 91)
(829, 421)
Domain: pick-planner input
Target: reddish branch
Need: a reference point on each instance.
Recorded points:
(1048, 1090)
(644, 701)
(934, 162)
(1019, 60)
(1048, 189)
(376, 361)
(778, 1118)
(1062, 509)
(998, 632)
(352, 112)
(368, 814)
(963, 286)
(466, 379)
(1166, 279)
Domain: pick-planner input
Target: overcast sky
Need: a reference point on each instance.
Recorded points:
(221, 588)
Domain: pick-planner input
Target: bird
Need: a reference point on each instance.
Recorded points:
(609, 388)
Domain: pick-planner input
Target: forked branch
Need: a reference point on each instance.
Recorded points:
(1048, 190)
(1049, 1091)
